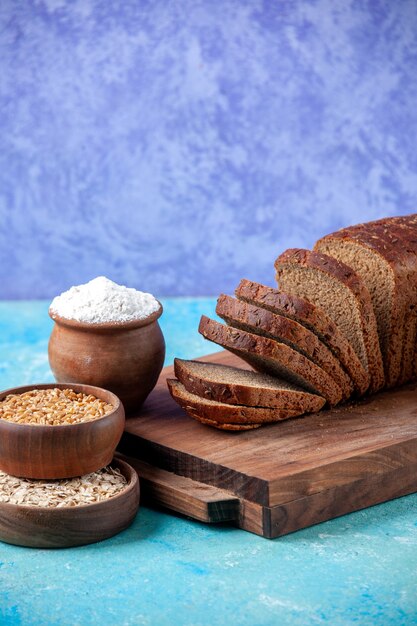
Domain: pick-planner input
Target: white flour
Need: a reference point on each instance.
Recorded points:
(102, 300)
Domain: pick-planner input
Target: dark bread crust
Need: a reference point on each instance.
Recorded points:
(349, 279)
(261, 321)
(225, 413)
(313, 318)
(230, 392)
(272, 357)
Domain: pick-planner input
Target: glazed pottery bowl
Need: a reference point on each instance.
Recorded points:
(62, 527)
(124, 357)
(64, 451)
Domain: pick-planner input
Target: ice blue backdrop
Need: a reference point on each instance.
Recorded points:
(178, 145)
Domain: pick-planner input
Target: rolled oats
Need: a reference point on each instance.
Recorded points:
(68, 492)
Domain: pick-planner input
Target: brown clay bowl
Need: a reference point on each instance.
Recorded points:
(35, 451)
(51, 527)
(125, 357)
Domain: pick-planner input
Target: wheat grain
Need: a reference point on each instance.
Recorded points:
(52, 407)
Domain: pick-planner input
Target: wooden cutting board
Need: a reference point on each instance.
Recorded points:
(281, 477)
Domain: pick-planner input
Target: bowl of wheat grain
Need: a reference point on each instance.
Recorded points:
(58, 430)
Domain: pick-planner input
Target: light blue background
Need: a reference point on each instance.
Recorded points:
(357, 570)
(179, 145)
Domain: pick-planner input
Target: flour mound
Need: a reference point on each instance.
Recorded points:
(101, 300)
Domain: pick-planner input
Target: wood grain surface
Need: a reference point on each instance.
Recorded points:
(324, 505)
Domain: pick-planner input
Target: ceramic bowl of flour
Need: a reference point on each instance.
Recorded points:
(108, 336)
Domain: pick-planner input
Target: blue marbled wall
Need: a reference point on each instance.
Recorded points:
(178, 145)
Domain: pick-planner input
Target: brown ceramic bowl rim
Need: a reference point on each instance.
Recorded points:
(77, 387)
(127, 470)
(111, 326)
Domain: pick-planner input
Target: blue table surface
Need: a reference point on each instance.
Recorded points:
(358, 569)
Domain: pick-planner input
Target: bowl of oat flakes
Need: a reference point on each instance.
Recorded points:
(58, 430)
(69, 512)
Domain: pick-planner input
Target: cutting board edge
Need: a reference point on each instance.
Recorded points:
(260, 491)
(381, 466)
(322, 505)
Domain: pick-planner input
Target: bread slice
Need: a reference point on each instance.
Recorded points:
(407, 372)
(195, 414)
(224, 413)
(336, 288)
(232, 385)
(313, 318)
(401, 233)
(406, 229)
(262, 322)
(415, 362)
(378, 252)
(273, 357)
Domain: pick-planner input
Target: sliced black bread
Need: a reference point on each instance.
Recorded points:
(272, 357)
(233, 385)
(260, 321)
(313, 318)
(405, 229)
(336, 288)
(381, 253)
(225, 413)
(408, 356)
